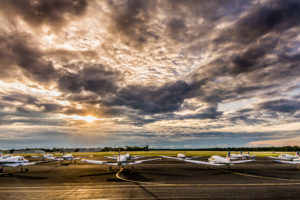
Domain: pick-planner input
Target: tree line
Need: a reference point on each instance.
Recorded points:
(146, 148)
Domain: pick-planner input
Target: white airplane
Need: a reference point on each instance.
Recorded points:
(183, 156)
(68, 157)
(286, 157)
(294, 162)
(121, 160)
(129, 157)
(214, 160)
(14, 161)
(241, 156)
(45, 157)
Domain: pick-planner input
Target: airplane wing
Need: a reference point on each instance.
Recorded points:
(141, 161)
(110, 157)
(99, 162)
(175, 158)
(201, 162)
(240, 161)
(288, 162)
(27, 164)
(193, 157)
(36, 156)
(136, 157)
(17, 164)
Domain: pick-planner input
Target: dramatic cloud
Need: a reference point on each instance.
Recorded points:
(178, 72)
(54, 12)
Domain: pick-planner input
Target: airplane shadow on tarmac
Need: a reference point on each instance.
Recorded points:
(102, 174)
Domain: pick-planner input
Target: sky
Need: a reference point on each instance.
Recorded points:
(169, 73)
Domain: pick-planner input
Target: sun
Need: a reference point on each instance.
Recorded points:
(87, 118)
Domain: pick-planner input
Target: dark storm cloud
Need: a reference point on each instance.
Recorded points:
(276, 16)
(134, 19)
(282, 105)
(130, 18)
(166, 98)
(206, 113)
(97, 78)
(252, 58)
(24, 98)
(51, 12)
(27, 57)
(246, 116)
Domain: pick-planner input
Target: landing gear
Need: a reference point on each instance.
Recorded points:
(26, 169)
(228, 166)
(206, 167)
(2, 169)
(110, 168)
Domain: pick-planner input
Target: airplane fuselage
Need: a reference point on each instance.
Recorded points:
(219, 160)
(12, 160)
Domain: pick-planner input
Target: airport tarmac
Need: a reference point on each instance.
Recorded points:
(156, 180)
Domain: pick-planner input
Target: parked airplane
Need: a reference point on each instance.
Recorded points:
(214, 160)
(182, 156)
(286, 157)
(242, 156)
(293, 162)
(121, 160)
(129, 157)
(67, 157)
(45, 157)
(14, 161)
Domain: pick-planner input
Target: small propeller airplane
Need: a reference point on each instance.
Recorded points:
(121, 160)
(15, 161)
(287, 157)
(67, 157)
(242, 156)
(45, 157)
(129, 157)
(214, 160)
(182, 156)
(295, 161)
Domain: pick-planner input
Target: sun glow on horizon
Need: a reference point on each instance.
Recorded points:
(87, 118)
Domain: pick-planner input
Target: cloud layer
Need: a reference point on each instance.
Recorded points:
(159, 72)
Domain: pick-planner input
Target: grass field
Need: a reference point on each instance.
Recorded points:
(164, 153)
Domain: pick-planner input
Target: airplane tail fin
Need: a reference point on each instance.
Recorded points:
(241, 152)
(228, 156)
(0, 154)
(297, 154)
